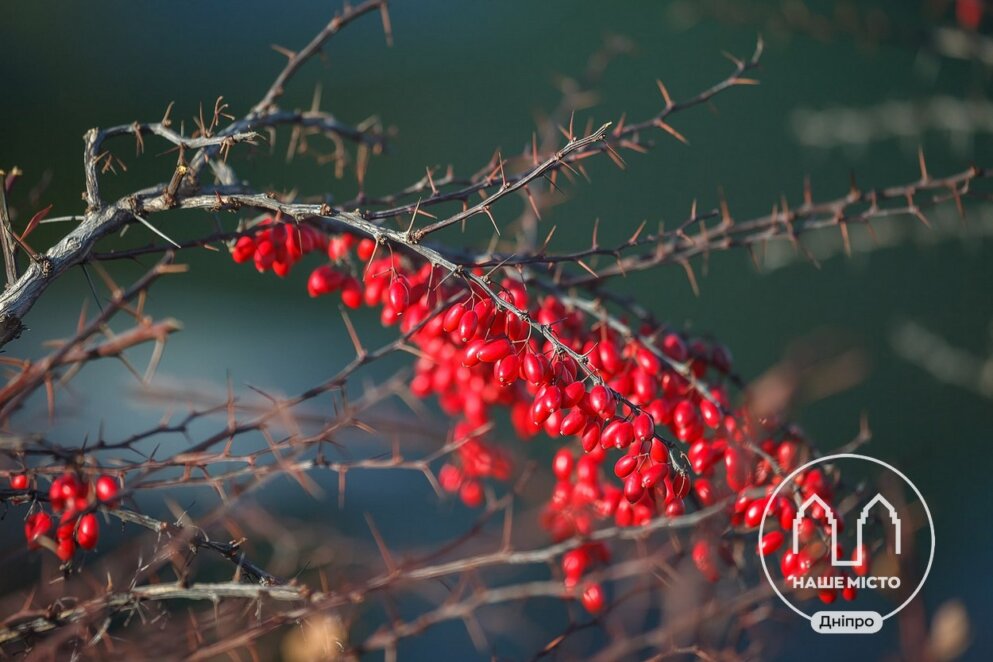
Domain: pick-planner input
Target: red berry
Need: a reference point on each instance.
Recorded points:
(87, 531)
(36, 525)
(969, 13)
(703, 557)
(551, 398)
(65, 549)
(591, 437)
(244, 250)
(609, 357)
(685, 415)
(572, 394)
(55, 494)
(506, 369)
(323, 280)
(651, 477)
(536, 368)
(659, 453)
(720, 356)
(710, 413)
(587, 470)
(675, 348)
(107, 489)
(633, 489)
(625, 465)
(471, 493)
(593, 598)
(602, 400)
(574, 423)
(753, 514)
(365, 249)
(704, 492)
(788, 564)
(644, 427)
(736, 469)
(453, 317)
(399, 295)
(351, 292)
(467, 325)
(770, 542)
(648, 361)
(680, 485)
(450, 478)
(19, 481)
(563, 464)
(494, 350)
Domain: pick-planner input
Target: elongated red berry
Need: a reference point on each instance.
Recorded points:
(351, 292)
(633, 489)
(770, 542)
(87, 531)
(494, 350)
(323, 280)
(625, 465)
(536, 368)
(563, 464)
(675, 348)
(644, 427)
(680, 485)
(573, 423)
(453, 317)
(506, 370)
(551, 398)
(55, 494)
(753, 514)
(654, 475)
(609, 357)
(736, 470)
(399, 295)
(591, 437)
(467, 325)
(601, 400)
(648, 361)
(470, 354)
(365, 249)
(710, 413)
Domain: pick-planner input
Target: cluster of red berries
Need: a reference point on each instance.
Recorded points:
(74, 498)
(476, 460)
(477, 356)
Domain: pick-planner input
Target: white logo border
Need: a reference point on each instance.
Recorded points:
(848, 456)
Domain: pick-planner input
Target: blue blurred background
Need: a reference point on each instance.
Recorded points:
(464, 78)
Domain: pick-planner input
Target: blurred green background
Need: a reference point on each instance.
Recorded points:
(464, 78)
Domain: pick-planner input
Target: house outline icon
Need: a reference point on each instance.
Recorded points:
(863, 518)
